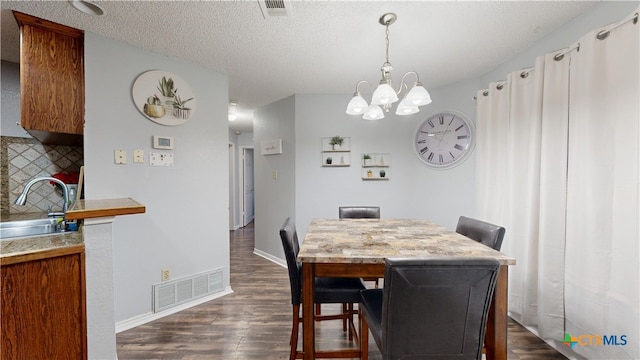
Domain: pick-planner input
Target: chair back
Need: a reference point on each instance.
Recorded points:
(483, 232)
(359, 212)
(291, 248)
(436, 308)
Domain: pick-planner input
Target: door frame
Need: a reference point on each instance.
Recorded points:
(233, 225)
(241, 153)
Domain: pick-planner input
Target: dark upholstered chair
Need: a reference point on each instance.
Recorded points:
(480, 231)
(359, 212)
(434, 308)
(327, 290)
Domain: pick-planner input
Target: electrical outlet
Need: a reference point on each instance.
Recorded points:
(166, 274)
(138, 156)
(120, 156)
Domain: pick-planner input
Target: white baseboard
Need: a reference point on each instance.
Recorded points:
(148, 317)
(270, 257)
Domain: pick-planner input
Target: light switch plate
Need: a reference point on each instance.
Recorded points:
(138, 156)
(161, 159)
(120, 156)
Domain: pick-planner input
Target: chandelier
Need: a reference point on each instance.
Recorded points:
(384, 95)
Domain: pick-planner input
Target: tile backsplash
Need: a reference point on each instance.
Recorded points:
(23, 159)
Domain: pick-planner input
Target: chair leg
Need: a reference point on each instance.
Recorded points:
(353, 335)
(345, 310)
(364, 337)
(294, 332)
(318, 309)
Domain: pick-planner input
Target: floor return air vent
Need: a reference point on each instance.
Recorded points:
(175, 292)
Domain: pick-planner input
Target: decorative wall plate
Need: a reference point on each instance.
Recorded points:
(163, 97)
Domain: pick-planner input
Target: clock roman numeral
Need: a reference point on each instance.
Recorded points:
(424, 150)
(459, 147)
(460, 137)
(452, 156)
(430, 123)
(422, 141)
(440, 158)
(441, 119)
(430, 157)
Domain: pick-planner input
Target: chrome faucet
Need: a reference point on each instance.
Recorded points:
(22, 199)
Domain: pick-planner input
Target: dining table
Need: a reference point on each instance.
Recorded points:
(359, 248)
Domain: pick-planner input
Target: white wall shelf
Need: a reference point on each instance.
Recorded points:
(336, 156)
(375, 166)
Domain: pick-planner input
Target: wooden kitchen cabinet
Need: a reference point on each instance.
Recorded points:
(43, 313)
(51, 81)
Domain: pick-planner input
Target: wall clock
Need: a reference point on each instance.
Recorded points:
(444, 140)
(163, 97)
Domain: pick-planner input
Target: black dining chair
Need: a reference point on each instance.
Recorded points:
(328, 290)
(432, 308)
(480, 231)
(360, 212)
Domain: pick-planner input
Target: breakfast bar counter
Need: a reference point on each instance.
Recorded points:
(85, 209)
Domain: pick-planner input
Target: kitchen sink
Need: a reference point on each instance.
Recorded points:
(11, 229)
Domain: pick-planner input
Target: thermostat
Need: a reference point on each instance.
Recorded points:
(163, 142)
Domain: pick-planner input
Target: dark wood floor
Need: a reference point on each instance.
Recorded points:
(254, 322)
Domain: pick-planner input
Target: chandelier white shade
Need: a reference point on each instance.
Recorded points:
(418, 95)
(357, 105)
(384, 95)
(374, 112)
(404, 109)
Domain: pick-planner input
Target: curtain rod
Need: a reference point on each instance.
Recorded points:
(605, 33)
(600, 36)
(559, 56)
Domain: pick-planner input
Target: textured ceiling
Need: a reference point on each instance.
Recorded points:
(323, 47)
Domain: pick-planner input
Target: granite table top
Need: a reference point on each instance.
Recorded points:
(371, 241)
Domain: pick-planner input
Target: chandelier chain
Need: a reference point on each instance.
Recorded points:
(387, 36)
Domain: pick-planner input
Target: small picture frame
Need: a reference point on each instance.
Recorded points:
(271, 147)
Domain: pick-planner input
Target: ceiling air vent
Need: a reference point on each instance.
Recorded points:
(275, 8)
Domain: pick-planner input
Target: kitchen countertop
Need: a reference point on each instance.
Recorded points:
(28, 248)
(21, 248)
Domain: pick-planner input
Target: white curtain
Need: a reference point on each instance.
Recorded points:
(553, 180)
(601, 276)
(491, 148)
(558, 164)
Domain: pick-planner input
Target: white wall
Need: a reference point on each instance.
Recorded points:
(412, 191)
(274, 198)
(185, 227)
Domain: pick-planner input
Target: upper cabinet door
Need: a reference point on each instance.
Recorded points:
(51, 78)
